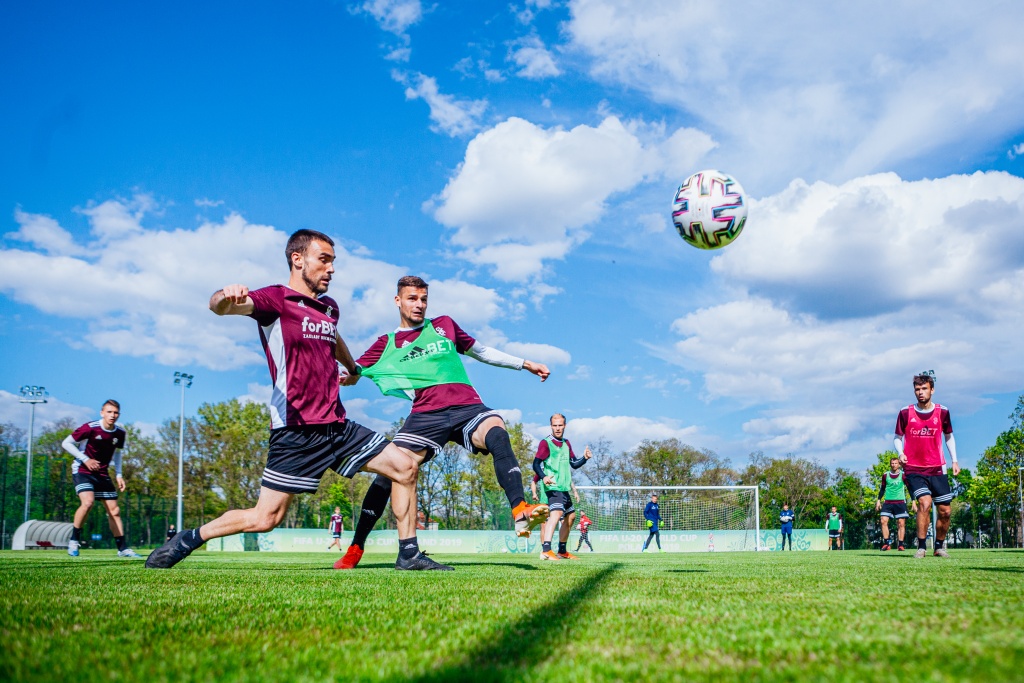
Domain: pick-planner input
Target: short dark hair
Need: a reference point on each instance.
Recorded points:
(111, 402)
(412, 281)
(299, 242)
(895, 457)
(924, 379)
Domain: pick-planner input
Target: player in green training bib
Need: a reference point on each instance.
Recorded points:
(422, 361)
(894, 493)
(553, 467)
(834, 526)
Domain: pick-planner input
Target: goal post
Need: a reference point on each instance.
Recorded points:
(694, 518)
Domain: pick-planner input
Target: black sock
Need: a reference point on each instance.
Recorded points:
(190, 539)
(546, 546)
(76, 534)
(885, 540)
(939, 544)
(374, 503)
(922, 543)
(121, 545)
(562, 550)
(506, 467)
(408, 548)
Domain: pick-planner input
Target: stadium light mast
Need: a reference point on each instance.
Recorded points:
(1020, 496)
(31, 395)
(184, 381)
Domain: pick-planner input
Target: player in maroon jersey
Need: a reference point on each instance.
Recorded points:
(336, 525)
(309, 433)
(920, 431)
(96, 446)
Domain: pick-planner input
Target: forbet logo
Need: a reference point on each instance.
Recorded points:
(324, 327)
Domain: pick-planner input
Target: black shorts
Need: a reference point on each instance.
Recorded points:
(562, 501)
(300, 455)
(936, 486)
(834, 534)
(101, 485)
(335, 535)
(896, 509)
(433, 429)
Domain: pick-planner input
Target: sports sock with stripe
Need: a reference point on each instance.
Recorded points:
(408, 548)
(191, 539)
(546, 546)
(506, 467)
(374, 502)
(121, 545)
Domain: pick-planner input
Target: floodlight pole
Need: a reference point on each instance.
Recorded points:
(184, 381)
(32, 395)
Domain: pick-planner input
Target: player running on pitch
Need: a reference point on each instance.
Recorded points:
(309, 432)
(920, 430)
(652, 514)
(96, 446)
(892, 502)
(422, 361)
(834, 527)
(337, 525)
(554, 463)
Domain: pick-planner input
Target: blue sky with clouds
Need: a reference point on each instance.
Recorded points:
(523, 156)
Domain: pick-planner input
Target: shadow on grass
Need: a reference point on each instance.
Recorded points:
(688, 571)
(1009, 570)
(501, 655)
(516, 565)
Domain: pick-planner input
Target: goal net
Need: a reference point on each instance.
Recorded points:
(697, 518)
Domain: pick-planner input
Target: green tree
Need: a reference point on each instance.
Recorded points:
(798, 482)
(231, 441)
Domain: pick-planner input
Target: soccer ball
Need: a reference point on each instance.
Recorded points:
(710, 209)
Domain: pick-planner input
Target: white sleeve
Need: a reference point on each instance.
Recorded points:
(491, 356)
(897, 442)
(116, 461)
(71, 446)
(951, 445)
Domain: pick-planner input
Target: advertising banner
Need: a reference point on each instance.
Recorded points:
(469, 542)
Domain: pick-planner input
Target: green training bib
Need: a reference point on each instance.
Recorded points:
(428, 361)
(557, 465)
(834, 521)
(894, 489)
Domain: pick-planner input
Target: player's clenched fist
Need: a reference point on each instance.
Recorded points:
(236, 294)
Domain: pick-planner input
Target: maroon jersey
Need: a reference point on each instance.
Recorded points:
(299, 335)
(439, 396)
(923, 437)
(99, 444)
(544, 451)
(336, 524)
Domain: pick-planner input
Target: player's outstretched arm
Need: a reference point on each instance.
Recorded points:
(232, 300)
(344, 356)
(897, 443)
(538, 369)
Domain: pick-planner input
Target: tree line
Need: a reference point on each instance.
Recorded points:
(225, 448)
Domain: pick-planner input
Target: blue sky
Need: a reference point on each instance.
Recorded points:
(523, 156)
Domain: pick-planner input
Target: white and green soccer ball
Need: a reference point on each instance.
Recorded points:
(710, 209)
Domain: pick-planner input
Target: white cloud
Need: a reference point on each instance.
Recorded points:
(44, 233)
(624, 432)
(146, 294)
(653, 222)
(1016, 151)
(533, 59)
(510, 415)
(582, 372)
(394, 16)
(451, 116)
(17, 413)
(523, 193)
(839, 294)
(118, 218)
(208, 203)
(539, 353)
(840, 93)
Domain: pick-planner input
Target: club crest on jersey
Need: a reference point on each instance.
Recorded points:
(329, 311)
(440, 331)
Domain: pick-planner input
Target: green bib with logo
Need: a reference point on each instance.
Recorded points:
(833, 521)
(894, 488)
(427, 362)
(557, 465)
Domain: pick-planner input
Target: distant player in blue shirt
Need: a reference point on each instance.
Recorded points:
(653, 518)
(786, 518)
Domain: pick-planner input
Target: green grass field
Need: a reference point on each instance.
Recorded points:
(850, 616)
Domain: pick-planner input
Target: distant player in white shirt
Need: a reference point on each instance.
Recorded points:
(96, 446)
